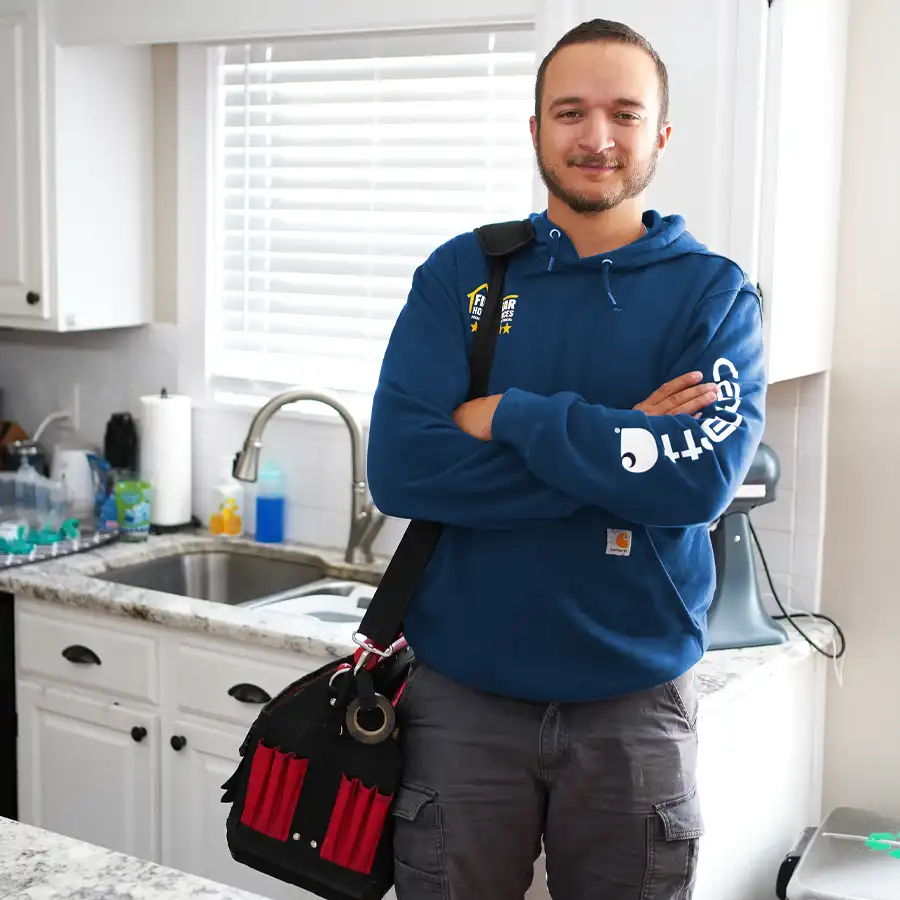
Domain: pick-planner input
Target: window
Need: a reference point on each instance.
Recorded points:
(340, 164)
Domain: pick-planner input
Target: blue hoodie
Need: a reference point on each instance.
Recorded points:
(576, 562)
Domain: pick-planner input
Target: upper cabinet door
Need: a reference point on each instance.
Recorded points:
(801, 190)
(20, 161)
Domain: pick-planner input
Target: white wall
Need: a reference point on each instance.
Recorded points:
(861, 547)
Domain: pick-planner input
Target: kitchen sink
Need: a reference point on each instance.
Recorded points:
(218, 575)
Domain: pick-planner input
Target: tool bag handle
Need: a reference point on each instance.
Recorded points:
(382, 623)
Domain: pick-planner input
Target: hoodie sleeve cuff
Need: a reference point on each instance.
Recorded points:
(516, 414)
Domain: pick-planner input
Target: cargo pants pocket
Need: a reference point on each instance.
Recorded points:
(673, 841)
(418, 845)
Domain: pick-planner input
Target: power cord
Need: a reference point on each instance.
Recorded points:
(789, 617)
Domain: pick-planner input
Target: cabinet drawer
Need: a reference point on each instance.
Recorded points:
(210, 682)
(99, 658)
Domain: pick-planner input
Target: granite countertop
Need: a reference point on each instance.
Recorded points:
(69, 581)
(40, 865)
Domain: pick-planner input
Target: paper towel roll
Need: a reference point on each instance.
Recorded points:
(165, 456)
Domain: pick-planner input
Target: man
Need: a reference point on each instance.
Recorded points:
(558, 621)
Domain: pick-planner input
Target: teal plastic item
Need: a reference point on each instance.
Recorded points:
(69, 530)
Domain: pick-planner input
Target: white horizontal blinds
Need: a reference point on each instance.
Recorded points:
(342, 163)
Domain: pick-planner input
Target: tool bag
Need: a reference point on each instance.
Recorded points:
(311, 798)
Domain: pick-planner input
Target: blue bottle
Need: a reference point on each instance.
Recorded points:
(270, 505)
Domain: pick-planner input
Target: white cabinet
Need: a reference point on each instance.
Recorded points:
(76, 178)
(20, 159)
(89, 768)
(802, 158)
(128, 730)
(193, 816)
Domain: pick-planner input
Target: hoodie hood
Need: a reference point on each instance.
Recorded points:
(666, 238)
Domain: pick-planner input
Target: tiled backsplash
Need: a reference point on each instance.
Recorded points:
(115, 369)
(790, 529)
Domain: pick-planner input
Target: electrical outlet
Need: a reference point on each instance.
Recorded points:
(68, 398)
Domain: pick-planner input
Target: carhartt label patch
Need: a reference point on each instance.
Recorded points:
(618, 543)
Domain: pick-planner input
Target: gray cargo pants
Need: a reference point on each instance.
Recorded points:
(609, 786)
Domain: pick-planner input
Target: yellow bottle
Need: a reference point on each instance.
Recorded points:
(227, 518)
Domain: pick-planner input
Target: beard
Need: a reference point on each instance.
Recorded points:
(637, 177)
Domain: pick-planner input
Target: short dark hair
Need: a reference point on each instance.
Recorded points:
(614, 33)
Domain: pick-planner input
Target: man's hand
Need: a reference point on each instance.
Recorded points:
(680, 395)
(474, 417)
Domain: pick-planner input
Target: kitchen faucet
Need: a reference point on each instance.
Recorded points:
(365, 520)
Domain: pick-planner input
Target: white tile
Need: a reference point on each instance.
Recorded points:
(807, 555)
(782, 585)
(778, 547)
(783, 395)
(805, 593)
(318, 527)
(391, 533)
(810, 494)
(777, 515)
(811, 436)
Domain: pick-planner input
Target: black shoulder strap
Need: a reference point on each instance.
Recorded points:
(383, 619)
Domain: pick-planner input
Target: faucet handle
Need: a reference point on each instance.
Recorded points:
(374, 523)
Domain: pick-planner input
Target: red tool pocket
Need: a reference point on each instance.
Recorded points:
(355, 827)
(273, 790)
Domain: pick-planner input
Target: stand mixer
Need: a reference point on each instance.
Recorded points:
(737, 617)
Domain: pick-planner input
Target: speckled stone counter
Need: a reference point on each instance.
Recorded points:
(69, 582)
(40, 865)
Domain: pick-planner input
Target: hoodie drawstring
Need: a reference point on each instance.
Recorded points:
(605, 268)
(554, 247)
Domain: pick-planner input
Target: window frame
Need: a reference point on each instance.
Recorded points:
(197, 236)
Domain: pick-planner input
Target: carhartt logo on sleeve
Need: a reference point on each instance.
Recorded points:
(640, 452)
(618, 543)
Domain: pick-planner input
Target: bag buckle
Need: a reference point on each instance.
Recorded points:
(369, 650)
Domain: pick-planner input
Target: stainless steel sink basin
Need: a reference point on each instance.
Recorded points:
(218, 575)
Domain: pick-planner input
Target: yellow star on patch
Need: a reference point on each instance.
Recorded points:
(504, 329)
(474, 326)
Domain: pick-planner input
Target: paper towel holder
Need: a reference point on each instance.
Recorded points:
(173, 433)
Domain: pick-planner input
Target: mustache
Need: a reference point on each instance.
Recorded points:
(611, 161)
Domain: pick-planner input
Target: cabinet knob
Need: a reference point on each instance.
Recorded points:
(249, 693)
(138, 733)
(178, 742)
(82, 656)
(32, 298)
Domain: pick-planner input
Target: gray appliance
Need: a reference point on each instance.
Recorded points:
(737, 617)
(853, 855)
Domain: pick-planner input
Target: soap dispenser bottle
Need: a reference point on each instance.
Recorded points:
(270, 505)
(228, 505)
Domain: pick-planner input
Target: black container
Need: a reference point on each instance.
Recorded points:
(120, 443)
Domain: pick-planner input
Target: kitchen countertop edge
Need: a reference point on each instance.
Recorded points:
(70, 581)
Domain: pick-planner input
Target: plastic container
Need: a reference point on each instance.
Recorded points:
(133, 504)
(854, 855)
(271, 506)
(227, 518)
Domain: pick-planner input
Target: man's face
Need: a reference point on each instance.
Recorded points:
(599, 139)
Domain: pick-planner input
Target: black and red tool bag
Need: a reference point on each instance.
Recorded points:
(311, 798)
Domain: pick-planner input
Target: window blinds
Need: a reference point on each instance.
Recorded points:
(341, 163)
